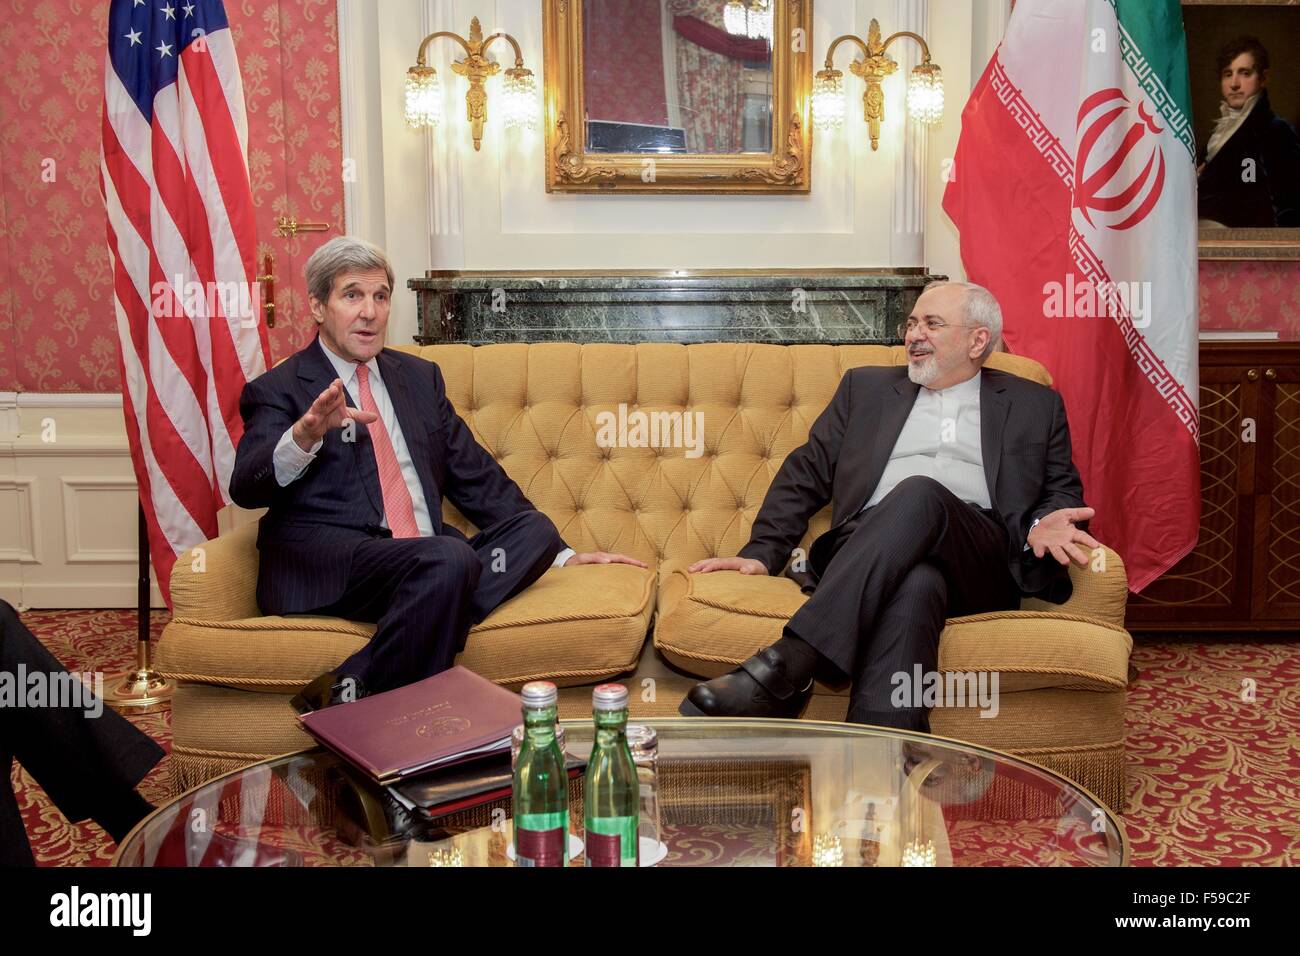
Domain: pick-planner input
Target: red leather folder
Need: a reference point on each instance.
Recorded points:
(450, 718)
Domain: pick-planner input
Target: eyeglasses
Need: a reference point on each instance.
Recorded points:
(931, 324)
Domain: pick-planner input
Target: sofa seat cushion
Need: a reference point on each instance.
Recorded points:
(552, 630)
(572, 626)
(272, 653)
(1032, 650)
(709, 623)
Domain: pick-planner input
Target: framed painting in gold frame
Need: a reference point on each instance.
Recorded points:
(675, 146)
(1211, 27)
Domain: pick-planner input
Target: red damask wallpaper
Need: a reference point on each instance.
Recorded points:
(56, 315)
(1251, 295)
(624, 68)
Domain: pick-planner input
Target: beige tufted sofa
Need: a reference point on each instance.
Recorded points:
(536, 408)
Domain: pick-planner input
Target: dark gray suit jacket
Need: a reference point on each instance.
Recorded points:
(1025, 443)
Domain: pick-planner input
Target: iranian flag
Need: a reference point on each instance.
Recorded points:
(1074, 190)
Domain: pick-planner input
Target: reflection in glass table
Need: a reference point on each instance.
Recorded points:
(732, 792)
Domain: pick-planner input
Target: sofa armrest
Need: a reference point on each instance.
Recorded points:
(217, 580)
(1100, 590)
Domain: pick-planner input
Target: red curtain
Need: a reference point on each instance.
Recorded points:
(720, 41)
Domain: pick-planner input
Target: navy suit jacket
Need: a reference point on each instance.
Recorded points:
(314, 524)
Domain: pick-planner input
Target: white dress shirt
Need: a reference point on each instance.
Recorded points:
(290, 460)
(941, 440)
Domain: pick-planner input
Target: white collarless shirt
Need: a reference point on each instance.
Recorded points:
(941, 440)
(290, 460)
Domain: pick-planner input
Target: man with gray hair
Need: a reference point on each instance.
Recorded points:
(953, 492)
(352, 447)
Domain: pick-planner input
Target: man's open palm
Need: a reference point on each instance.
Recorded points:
(330, 410)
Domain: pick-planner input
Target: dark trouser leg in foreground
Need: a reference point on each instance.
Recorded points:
(426, 593)
(89, 765)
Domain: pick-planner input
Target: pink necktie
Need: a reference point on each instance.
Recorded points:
(397, 496)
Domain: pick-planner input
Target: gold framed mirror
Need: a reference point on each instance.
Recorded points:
(678, 96)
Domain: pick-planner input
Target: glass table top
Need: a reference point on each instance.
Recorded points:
(731, 792)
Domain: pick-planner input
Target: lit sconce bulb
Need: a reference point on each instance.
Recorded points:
(827, 850)
(519, 98)
(423, 97)
(925, 94)
(760, 20)
(733, 17)
(916, 854)
(828, 100)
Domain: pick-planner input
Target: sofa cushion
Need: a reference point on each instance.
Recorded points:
(709, 623)
(550, 631)
(572, 626)
(1037, 649)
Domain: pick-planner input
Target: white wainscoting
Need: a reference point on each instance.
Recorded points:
(68, 504)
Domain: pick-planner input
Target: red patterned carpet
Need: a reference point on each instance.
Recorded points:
(1212, 778)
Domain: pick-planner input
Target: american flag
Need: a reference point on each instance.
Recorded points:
(181, 239)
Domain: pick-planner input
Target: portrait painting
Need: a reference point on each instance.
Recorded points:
(1244, 74)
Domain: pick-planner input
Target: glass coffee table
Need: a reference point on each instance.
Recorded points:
(731, 792)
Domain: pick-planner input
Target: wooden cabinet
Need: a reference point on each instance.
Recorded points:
(1244, 572)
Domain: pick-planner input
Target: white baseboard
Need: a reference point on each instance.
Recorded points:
(41, 596)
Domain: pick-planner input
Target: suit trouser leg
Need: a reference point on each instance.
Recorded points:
(424, 594)
(89, 765)
(919, 522)
(418, 592)
(514, 553)
(907, 634)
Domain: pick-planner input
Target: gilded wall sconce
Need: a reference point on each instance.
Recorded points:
(924, 89)
(424, 93)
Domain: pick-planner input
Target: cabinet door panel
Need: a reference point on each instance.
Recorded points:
(1276, 573)
(1211, 584)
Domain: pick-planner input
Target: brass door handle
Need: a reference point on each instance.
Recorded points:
(268, 297)
(287, 226)
(1270, 374)
(1253, 374)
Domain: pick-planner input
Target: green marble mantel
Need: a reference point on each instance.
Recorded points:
(831, 306)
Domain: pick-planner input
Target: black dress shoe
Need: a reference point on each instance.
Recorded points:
(757, 688)
(326, 691)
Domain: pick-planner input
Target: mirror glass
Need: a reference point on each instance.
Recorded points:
(677, 76)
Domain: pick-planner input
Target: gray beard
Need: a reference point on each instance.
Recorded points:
(925, 371)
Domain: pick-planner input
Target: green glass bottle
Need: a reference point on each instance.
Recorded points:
(541, 784)
(612, 795)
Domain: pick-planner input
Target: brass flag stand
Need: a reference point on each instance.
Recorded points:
(142, 690)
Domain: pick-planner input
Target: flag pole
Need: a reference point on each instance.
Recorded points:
(142, 690)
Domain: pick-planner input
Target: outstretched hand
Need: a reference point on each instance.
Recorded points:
(602, 557)
(330, 410)
(743, 565)
(1056, 533)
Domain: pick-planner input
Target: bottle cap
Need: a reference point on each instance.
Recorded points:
(539, 693)
(609, 697)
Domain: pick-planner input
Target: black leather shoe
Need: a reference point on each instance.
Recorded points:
(326, 691)
(757, 688)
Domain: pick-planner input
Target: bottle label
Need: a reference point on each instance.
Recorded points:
(616, 848)
(540, 847)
